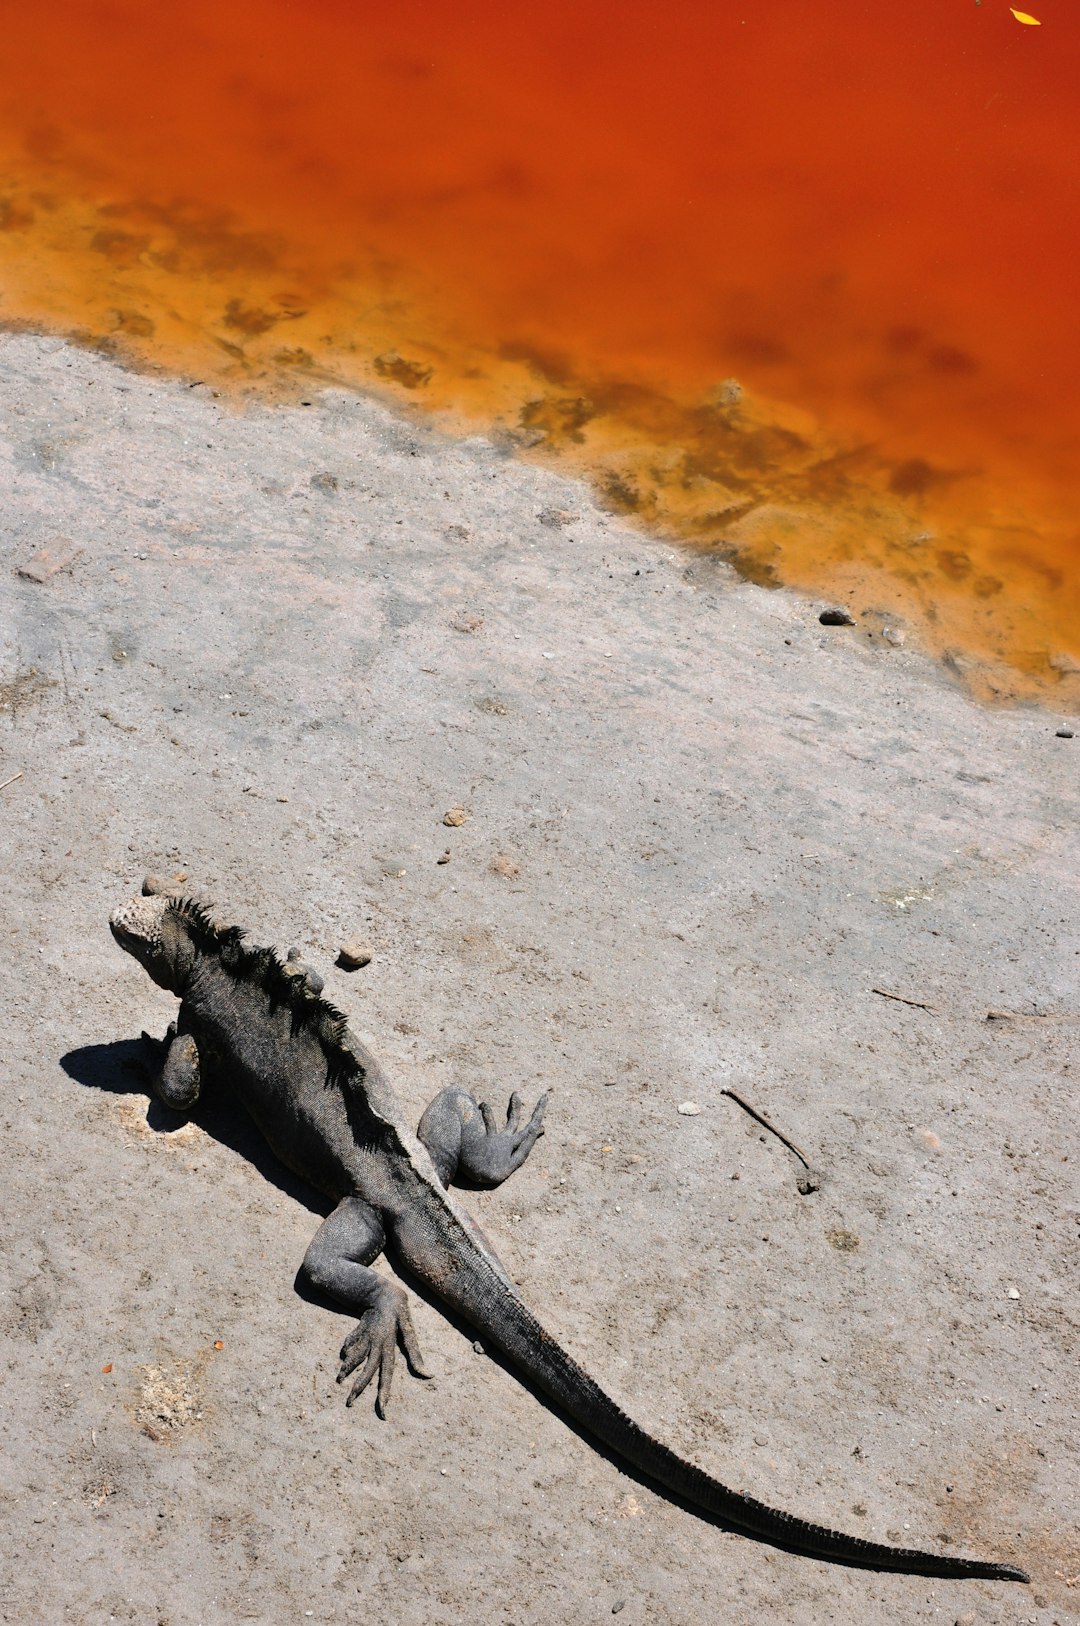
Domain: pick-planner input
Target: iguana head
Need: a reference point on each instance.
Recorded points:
(153, 930)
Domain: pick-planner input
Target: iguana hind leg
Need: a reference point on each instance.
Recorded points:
(464, 1141)
(337, 1262)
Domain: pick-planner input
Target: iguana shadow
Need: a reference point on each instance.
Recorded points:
(121, 1068)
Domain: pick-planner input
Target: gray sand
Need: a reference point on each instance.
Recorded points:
(701, 830)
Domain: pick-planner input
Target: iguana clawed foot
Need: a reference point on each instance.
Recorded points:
(498, 1152)
(464, 1141)
(177, 1079)
(371, 1347)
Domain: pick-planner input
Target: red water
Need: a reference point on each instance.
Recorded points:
(579, 221)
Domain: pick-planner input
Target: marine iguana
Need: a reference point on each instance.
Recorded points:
(259, 1027)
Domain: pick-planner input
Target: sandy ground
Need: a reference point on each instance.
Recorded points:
(701, 830)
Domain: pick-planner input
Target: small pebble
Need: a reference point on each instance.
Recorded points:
(618, 1606)
(353, 955)
(478, 1347)
(444, 857)
(836, 618)
(689, 1109)
(454, 816)
(1064, 734)
(1014, 1292)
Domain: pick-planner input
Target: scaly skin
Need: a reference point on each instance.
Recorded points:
(250, 1024)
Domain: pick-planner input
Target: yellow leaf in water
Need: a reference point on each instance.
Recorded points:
(1025, 17)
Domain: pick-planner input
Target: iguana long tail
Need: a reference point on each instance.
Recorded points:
(524, 1341)
(484, 1300)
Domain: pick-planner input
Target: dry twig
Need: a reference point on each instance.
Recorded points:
(920, 1004)
(1033, 1016)
(761, 1118)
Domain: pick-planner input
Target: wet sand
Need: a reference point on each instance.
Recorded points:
(707, 839)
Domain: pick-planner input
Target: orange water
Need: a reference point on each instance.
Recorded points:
(792, 280)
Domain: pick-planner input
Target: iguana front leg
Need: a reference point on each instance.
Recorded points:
(463, 1140)
(179, 1079)
(337, 1262)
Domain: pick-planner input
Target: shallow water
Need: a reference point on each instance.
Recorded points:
(796, 283)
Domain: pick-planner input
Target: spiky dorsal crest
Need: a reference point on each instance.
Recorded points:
(205, 932)
(264, 969)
